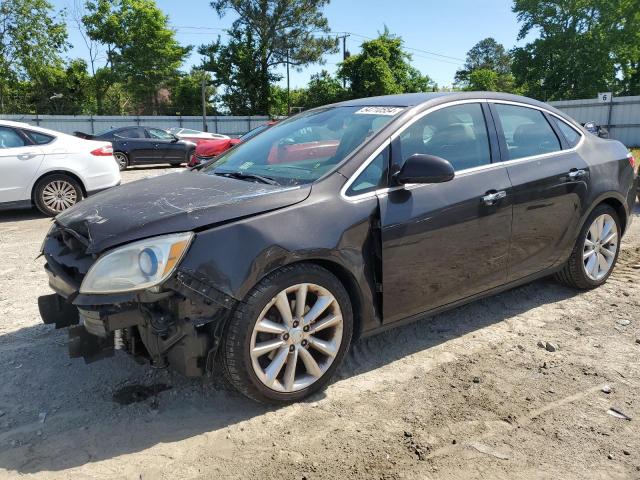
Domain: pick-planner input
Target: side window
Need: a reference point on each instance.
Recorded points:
(457, 134)
(159, 134)
(373, 177)
(526, 131)
(9, 138)
(38, 138)
(570, 134)
(129, 133)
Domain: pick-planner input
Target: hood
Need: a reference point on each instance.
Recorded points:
(176, 202)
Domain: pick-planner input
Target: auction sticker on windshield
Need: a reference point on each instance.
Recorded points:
(379, 111)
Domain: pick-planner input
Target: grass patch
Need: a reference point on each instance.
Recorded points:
(636, 153)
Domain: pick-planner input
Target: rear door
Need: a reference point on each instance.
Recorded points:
(133, 142)
(20, 161)
(444, 242)
(550, 182)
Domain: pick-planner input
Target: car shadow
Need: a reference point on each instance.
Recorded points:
(19, 215)
(82, 423)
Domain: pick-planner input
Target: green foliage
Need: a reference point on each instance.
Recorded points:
(382, 68)
(581, 47)
(266, 34)
(323, 89)
(142, 51)
(487, 68)
(237, 72)
(32, 37)
(186, 94)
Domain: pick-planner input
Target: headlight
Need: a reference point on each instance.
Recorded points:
(136, 266)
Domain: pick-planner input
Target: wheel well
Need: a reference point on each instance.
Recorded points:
(619, 208)
(350, 285)
(58, 172)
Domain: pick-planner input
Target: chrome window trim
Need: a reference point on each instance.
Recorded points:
(466, 171)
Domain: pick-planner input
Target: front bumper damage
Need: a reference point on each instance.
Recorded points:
(180, 326)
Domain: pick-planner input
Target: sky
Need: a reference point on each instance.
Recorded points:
(437, 33)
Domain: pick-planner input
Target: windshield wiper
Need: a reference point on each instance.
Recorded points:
(248, 176)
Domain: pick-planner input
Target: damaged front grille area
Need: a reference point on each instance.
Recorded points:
(65, 252)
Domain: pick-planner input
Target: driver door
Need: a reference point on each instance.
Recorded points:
(448, 241)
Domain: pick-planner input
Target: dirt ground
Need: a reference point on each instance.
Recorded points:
(468, 394)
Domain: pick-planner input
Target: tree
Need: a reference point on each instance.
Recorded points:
(322, 90)
(64, 90)
(487, 67)
(186, 94)
(236, 70)
(382, 68)
(142, 51)
(32, 37)
(574, 54)
(269, 33)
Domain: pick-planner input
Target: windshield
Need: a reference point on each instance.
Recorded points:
(302, 149)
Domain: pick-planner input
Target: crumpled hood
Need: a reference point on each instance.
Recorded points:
(176, 202)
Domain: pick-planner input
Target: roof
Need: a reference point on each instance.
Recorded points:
(413, 99)
(11, 123)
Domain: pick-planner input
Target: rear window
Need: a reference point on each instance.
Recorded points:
(38, 138)
(527, 132)
(569, 133)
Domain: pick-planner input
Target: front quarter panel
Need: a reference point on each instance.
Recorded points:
(324, 228)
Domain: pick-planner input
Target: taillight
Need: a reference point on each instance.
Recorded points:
(632, 161)
(106, 151)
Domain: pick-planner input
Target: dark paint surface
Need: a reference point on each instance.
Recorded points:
(177, 202)
(439, 243)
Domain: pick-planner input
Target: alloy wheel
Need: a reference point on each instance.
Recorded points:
(600, 247)
(121, 159)
(59, 195)
(296, 337)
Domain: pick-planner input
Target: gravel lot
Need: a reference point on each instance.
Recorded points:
(468, 394)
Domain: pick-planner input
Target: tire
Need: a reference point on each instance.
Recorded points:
(175, 165)
(53, 194)
(245, 371)
(574, 274)
(122, 160)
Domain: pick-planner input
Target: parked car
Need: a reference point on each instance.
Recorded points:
(49, 169)
(596, 129)
(144, 145)
(429, 201)
(209, 149)
(195, 136)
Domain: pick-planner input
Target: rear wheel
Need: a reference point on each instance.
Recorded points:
(285, 341)
(596, 250)
(55, 193)
(122, 160)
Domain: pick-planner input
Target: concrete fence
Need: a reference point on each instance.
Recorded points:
(621, 116)
(228, 125)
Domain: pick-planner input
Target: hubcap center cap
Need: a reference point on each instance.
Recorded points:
(296, 335)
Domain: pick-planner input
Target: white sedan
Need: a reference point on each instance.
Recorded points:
(196, 135)
(49, 169)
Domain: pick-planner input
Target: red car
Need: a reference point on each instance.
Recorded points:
(208, 149)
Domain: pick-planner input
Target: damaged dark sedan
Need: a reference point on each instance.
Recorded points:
(392, 209)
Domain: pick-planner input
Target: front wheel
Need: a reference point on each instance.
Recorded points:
(285, 341)
(596, 250)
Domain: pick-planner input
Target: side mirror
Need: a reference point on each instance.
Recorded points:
(420, 168)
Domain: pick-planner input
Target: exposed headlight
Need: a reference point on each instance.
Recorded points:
(137, 266)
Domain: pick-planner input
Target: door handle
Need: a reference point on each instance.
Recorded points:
(575, 174)
(27, 156)
(493, 198)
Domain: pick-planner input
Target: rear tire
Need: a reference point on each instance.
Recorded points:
(324, 340)
(580, 271)
(53, 194)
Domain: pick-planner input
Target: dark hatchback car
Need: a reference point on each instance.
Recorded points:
(429, 201)
(144, 145)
